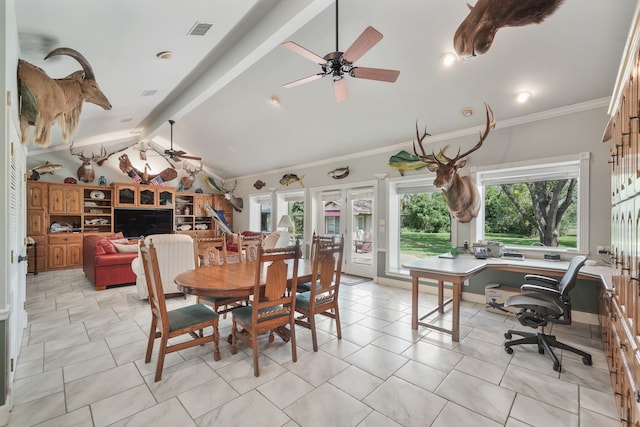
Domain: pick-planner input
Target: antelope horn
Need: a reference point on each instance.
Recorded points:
(88, 71)
(491, 123)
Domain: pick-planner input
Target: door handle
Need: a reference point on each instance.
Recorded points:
(22, 258)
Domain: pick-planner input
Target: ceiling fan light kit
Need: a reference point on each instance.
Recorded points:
(339, 64)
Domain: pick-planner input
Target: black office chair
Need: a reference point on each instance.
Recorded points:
(546, 303)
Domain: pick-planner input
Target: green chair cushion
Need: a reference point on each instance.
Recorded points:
(302, 300)
(243, 314)
(188, 316)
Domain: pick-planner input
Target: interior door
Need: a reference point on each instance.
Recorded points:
(350, 211)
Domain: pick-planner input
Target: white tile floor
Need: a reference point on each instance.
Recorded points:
(82, 365)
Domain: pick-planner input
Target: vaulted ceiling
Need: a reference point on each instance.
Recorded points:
(218, 86)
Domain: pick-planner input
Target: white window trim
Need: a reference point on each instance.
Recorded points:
(583, 162)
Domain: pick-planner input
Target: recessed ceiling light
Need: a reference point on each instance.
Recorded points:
(448, 59)
(466, 112)
(523, 96)
(275, 100)
(165, 54)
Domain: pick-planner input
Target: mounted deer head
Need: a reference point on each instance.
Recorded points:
(460, 193)
(187, 181)
(236, 202)
(85, 172)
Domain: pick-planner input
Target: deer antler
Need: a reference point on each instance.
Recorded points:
(79, 155)
(224, 187)
(190, 171)
(427, 158)
(491, 123)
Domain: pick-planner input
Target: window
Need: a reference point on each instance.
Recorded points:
(292, 204)
(419, 223)
(543, 204)
(260, 213)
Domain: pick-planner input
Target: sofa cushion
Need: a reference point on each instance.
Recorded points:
(126, 247)
(107, 246)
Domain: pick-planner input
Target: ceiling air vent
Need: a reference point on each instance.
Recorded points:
(149, 92)
(199, 29)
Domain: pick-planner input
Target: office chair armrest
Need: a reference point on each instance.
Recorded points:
(543, 279)
(528, 287)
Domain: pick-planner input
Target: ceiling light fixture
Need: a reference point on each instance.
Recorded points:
(275, 100)
(523, 96)
(165, 54)
(466, 112)
(448, 59)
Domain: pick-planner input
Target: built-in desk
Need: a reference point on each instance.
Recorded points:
(457, 270)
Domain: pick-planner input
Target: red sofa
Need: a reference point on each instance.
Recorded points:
(106, 269)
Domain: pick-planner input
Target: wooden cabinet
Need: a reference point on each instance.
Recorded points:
(620, 303)
(192, 216)
(37, 195)
(64, 251)
(97, 210)
(65, 199)
(36, 222)
(143, 196)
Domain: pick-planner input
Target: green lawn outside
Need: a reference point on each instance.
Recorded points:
(426, 244)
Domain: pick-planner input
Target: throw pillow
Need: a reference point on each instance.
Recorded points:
(108, 246)
(121, 240)
(126, 247)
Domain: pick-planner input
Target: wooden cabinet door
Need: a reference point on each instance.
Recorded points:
(73, 200)
(37, 193)
(166, 197)
(126, 195)
(57, 199)
(36, 223)
(147, 197)
(200, 202)
(56, 257)
(74, 255)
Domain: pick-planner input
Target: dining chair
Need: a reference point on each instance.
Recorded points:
(322, 297)
(315, 240)
(213, 252)
(192, 319)
(273, 304)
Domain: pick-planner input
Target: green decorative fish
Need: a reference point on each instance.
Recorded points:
(405, 161)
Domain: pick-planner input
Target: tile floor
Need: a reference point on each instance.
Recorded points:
(82, 364)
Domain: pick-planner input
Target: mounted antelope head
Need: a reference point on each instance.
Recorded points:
(85, 172)
(460, 193)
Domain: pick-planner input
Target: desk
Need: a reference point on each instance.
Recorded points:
(457, 270)
(230, 280)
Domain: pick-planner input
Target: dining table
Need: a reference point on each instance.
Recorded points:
(235, 280)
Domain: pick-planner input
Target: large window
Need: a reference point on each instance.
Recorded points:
(260, 213)
(292, 204)
(535, 205)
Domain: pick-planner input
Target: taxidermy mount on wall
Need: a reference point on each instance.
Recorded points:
(44, 100)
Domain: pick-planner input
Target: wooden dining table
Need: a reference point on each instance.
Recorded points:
(235, 280)
(231, 280)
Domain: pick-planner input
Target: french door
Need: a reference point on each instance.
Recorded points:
(351, 211)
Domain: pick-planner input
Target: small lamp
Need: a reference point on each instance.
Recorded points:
(284, 223)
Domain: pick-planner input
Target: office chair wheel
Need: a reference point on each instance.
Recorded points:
(557, 367)
(587, 360)
(507, 335)
(509, 350)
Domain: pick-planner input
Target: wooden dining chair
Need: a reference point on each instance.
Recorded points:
(315, 240)
(191, 319)
(273, 304)
(213, 252)
(322, 297)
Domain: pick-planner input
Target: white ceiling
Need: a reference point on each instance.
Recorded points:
(217, 87)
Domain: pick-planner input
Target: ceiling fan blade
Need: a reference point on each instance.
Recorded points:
(296, 48)
(186, 156)
(340, 89)
(368, 39)
(380, 74)
(304, 80)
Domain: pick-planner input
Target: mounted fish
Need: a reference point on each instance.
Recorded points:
(404, 161)
(339, 173)
(44, 100)
(290, 178)
(48, 167)
(259, 184)
(236, 202)
(475, 34)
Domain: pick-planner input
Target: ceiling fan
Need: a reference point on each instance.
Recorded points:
(338, 64)
(177, 155)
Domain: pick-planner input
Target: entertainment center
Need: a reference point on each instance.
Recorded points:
(59, 215)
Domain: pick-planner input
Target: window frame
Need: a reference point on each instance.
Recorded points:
(550, 168)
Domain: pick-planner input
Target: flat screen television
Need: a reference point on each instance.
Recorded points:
(134, 223)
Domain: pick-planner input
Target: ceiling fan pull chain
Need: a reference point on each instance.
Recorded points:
(337, 50)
